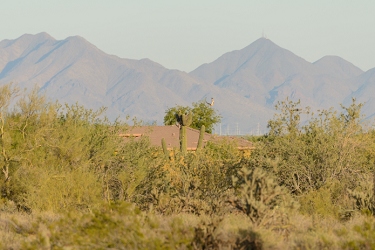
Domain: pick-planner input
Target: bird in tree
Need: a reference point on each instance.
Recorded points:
(202, 114)
(212, 102)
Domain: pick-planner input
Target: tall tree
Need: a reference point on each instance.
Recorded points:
(203, 114)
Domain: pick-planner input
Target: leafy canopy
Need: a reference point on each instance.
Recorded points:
(203, 114)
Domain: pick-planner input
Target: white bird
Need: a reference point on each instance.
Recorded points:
(212, 102)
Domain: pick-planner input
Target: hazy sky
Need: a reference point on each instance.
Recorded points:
(185, 34)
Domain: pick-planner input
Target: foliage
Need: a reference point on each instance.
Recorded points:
(320, 202)
(328, 148)
(262, 199)
(366, 239)
(363, 195)
(53, 156)
(203, 114)
(195, 182)
(116, 226)
(68, 180)
(130, 168)
(208, 236)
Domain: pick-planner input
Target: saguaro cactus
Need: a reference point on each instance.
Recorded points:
(184, 120)
(201, 137)
(164, 145)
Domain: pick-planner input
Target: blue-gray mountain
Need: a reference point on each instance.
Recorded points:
(245, 83)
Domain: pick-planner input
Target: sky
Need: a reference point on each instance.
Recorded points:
(182, 34)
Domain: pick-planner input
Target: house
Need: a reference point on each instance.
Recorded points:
(171, 135)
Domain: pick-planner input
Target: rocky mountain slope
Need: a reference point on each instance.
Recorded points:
(245, 83)
(265, 73)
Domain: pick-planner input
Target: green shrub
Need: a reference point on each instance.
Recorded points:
(115, 226)
(78, 189)
(363, 195)
(196, 182)
(329, 147)
(365, 236)
(262, 199)
(319, 202)
(209, 236)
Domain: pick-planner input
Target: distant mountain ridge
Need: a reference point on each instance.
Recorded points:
(265, 73)
(245, 83)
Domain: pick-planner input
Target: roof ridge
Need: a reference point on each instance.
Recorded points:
(192, 128)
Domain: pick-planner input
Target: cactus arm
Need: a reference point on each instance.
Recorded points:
(183, 139)
(201, 137)
(164, 145)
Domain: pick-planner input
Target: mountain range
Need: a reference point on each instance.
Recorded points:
(246, 84)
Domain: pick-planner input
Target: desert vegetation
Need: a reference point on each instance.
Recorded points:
(200, 114)
(68, 181)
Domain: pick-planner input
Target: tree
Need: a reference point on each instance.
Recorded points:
(203, 114)
(330, 152)
(54, 157)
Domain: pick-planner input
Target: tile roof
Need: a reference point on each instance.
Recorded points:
(171, 136)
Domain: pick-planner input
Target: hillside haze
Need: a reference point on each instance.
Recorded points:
(246, 83)
(265, 73)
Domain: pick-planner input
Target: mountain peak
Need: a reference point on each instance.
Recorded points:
(76, 38)
(80, 43)
(262, 43)
(79, 40)
(262, 60)
(44, 35)
(337, 66)
(27, 40)
(263, 40)
(330, 59)
(22, 46)
(39, 37)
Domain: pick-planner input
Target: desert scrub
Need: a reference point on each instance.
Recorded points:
(194, 182)
(330, 148)
(116, 226)
(366, 236)
(261, 198)
(17, 228)
(320, 202)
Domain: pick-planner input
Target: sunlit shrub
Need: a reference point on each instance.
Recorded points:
(262, 199)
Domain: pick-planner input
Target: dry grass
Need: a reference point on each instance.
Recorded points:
(18, 229)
